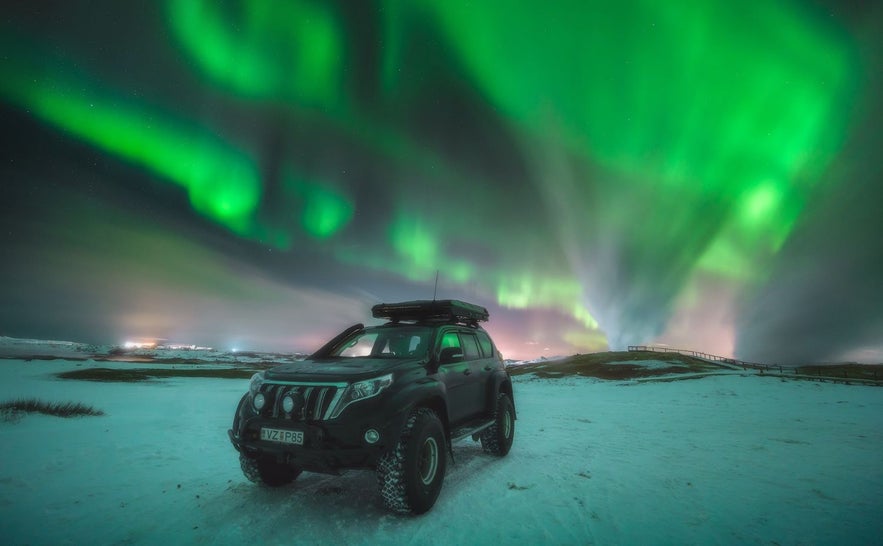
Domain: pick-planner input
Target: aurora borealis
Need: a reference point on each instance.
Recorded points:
(702, 174)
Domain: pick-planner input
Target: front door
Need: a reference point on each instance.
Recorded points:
(457, 377)
(463, 378)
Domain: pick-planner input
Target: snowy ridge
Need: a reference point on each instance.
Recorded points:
(39, 349)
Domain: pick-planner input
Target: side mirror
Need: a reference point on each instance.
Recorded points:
(450, 354)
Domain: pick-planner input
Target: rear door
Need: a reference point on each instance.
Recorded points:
(475, 384)
(490, 362)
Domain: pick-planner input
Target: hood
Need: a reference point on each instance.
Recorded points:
(337, 369)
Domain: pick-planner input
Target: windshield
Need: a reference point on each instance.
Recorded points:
(385, 342)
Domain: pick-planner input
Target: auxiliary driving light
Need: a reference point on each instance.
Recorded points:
(288, 404)
(259, 401)
(372, 436)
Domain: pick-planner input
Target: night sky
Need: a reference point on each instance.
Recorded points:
(255, 175)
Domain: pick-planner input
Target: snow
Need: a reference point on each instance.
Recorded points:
(648, 364)
(719, 460)
(540, 360)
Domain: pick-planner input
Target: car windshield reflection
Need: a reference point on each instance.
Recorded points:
(399, 342)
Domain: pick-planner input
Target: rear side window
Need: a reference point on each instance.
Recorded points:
(470, 347)
(486, 346)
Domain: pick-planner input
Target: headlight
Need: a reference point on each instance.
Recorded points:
(254, 390)
(361, 390)
(256, 381)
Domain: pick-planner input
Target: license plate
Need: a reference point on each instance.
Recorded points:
(283, 436)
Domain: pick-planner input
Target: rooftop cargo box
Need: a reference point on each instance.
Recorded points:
(420, 310)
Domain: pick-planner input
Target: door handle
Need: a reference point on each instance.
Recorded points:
(488, 368)
(467, 372)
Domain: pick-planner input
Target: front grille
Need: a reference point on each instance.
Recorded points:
(312, 402)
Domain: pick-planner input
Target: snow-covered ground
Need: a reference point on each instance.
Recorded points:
(726, 459)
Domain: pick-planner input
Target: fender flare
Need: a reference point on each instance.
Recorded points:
(501, 383)
(237, 417)
(425, 394)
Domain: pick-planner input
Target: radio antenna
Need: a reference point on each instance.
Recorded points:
(435, 292)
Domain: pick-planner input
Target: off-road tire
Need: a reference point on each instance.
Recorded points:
(410, 475)
(267, 472)
(497, 438)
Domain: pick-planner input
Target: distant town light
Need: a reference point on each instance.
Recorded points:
(139, 344)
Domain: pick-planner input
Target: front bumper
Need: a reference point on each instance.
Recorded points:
(327, 448)
(323, 460)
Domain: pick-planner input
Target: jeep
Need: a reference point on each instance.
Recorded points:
(392, 398)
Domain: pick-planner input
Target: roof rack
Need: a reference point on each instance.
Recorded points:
(424, 310)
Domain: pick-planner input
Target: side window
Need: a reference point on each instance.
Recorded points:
(470, 347)
(486, 346)
(449, 339)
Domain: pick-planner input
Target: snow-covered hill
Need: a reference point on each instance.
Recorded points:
(40, 349)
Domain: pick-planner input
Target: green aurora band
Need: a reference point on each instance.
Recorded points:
(665, 140)
(733, 109)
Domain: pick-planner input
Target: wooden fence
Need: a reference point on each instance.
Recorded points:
(704, 356)
(862, 374)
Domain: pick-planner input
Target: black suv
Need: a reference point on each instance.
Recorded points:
(391, 397)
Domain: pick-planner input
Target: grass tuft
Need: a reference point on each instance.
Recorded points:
(15, 409)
